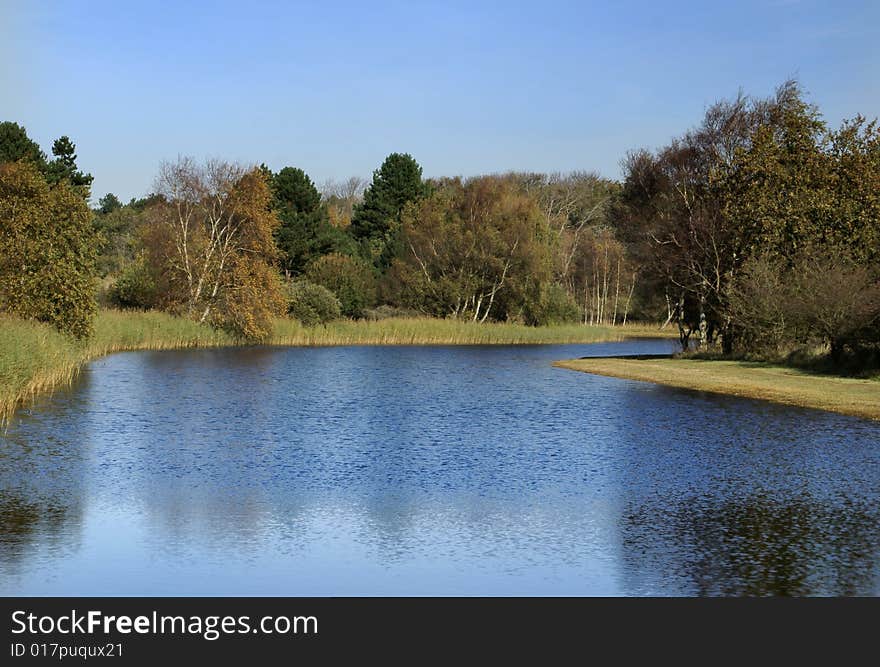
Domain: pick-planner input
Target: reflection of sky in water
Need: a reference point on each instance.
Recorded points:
(436, 470)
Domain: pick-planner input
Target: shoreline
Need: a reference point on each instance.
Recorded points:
(849, 396)
(35, 359)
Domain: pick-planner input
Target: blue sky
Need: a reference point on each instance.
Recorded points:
(467, 88)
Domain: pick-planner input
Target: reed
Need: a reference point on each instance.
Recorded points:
(34, 358)
(431, 331)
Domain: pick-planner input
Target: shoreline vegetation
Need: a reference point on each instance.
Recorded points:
(858, 397)
(36, 359)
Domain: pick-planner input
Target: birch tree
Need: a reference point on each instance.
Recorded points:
(210, 244)
(476, 250)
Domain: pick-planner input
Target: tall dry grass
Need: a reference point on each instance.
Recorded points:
(432, 331)
(35, 358)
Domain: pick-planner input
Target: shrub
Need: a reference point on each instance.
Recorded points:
(312, 304)
(350, 279)
(836, 298)
(553, 306)
(759, 302)
(822, 296)
(134, 288)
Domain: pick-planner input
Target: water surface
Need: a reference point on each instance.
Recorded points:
(428, 470)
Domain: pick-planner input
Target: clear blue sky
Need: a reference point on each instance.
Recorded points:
(467, 88)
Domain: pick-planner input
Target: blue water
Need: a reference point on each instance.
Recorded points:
(427, 470)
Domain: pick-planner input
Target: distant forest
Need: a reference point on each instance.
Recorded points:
(756, 232)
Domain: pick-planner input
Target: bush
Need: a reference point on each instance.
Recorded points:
(554, 306)
(836, 298)
(820, 297)
(134, 288)
(312, 304)
(350, 279)
(759, 302)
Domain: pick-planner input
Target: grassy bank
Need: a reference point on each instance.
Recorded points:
(851, 396)
(34, 358)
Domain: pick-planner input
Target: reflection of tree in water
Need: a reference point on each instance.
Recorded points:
(758, 545)
(26, 526)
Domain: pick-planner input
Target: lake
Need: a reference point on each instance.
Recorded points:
(428, 470)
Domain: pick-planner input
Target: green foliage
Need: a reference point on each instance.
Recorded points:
(554, 306)
(478, 250)
(135, 287)
(47, 251)
(854, 183)
(305, 232)
(118, 231)
(312, 304)
(108, 203)
(63, 167)
(731, 208)
(376, 221)
(774, 194)
(15, 145)
(350, 279)
(293, 191)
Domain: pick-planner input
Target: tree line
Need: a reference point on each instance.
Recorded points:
(760, 228)
(757, 232)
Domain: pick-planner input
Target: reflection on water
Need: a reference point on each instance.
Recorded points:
(435, 470)
(758, 545)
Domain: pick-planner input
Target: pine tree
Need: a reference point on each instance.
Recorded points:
(376, 221)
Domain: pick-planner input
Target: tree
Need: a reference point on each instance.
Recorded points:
(341, 199)
(63, 167)
(349, 278)
(305, 232)
(818, 296)
(16, 145)
(477, 250)
(709, 199)
(117, 227)
(108, 203)
(47, 251)
(210, 246)
(376, 222)
(854, 183)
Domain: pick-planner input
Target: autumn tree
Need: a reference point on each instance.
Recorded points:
(688, 203)
(210, 246)
(477, 250)
(47, 250)
(341, 199)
